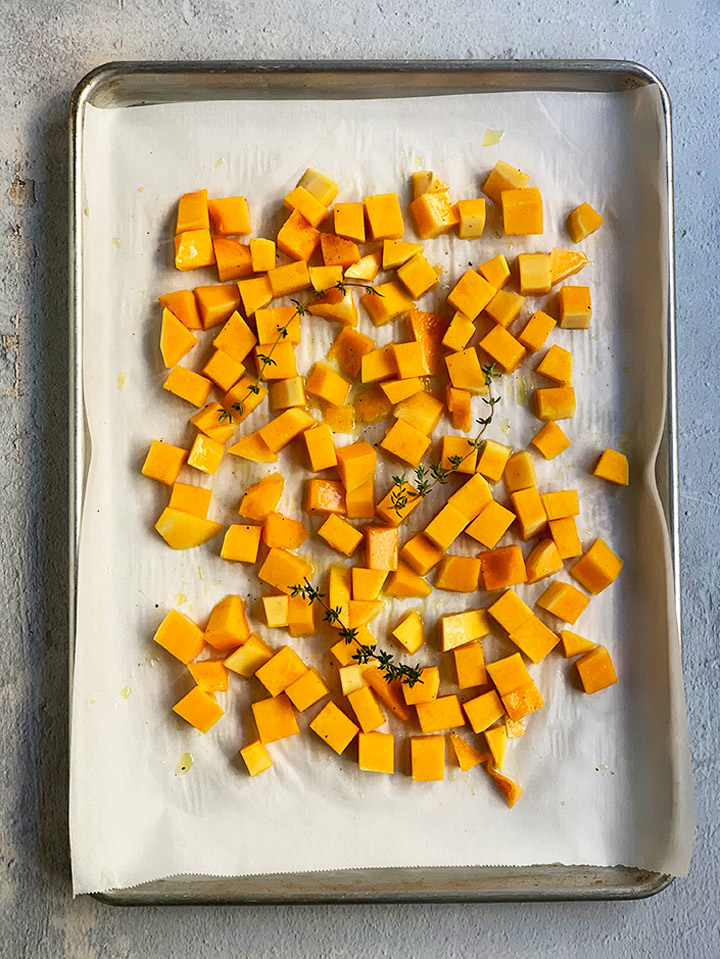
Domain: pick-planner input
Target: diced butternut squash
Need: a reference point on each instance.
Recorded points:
(471, 218)
(493, 460)
(199, 709)
(550, 441)
(281, 430)
(367, 711)
(433, 213)
(304, 202)
(496, 739)
(409, 631)
(510, 611)
(190, 499)
(233, 259)
(241, 543)
(427, 758)
(534, 639)
(243, 398)
(275, 610)
(360, 502)
(381, 547)
(223, 370)
(597, 568)
(564, 601)
(466, 755)
(509, 673)
(471, 294)
(495, 271)
(420, 554)
(213, 420)
(523, 701)
(529, 509)
(320, 447)
(519, 472)
(583, 221)
(458, 629)
(386, 302)
(230, 216)
(349, 221)
(333, 726)
(376, 752)
(574, 307)
(206, 454)
(367, 583)
(574, 645)
(210, 675)
(510, 790)
(472, 497)
(491, 525)
(458, 455)
(561, 503)
(502, 567)
(290, 278)
(596, 670)
(325, 496)
(534, 273)
(425, 181)
(384, 216)
(613, 467)
(565, 263)
(437, 715)
(465, 372)
(356, 464)
(503, 177)
(483, 710)
(297, 238)
(555, 403)
(366, 268)
(425, 689)
(216, 304)
(536, 331)
(556, 365)
(522, 211)
(188, 385)
(503, 348)
(429, 329)
(274, 719)
(543, 561)
(281, 671)
(235, 338)
(565, 536)
(340, 419)
(164, 462)
(404, 583)
(283, 570)
(282, 532)
(227, 627)
(263, 255)
(327, 385)
(175, 339)
(301, 617)
(417, 276)
(504, 308)
(340, 535)
(183, 305)
(470, 665)
(249, 657)
(389, 693)
(193, 250)
(256, 758)
(421, 411)
(348, 349)
(406, 442)
(270, 323)
(262, 497)
(458, 573)
(459, 332)
(446, 526)
(337, 251)
(192, 213)
(285, 394)
(180, 636)
(185, 531)
(322, 187)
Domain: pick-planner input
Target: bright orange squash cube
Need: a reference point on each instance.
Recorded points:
(503, 177)
(188, 385)
(192, 213)
(333, 726)
(427, 758)
(384, 216)
(536, 331)
(564, 601)
(274, 719)
(596, 670)
(230, 216)
(583, 221)
(458, 573)
(180, 636)
(164, 462)
(376, 752)
(597, 568)
(199, 709)
(613, 467)
(433, 213)
(471, 294)
(522, 211)
(216, 304)
(241, 543)
(233, 259)
(283, 570)
(256, 758)
(550, 441)
(281, 671)
(193, 250)
(502, 567)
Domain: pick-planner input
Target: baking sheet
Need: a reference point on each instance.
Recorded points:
(606, 777)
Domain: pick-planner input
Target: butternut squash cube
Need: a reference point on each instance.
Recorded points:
(471, 218)
(290, 278)
(360, 502)
(502, 567)
(458, 573)
(510, 611)
(256, 758)
(229, 216)
(270, 323)
(491, 525)
(519, 472)
(322, 187)
(420, 554)
(409, 360)
(298, 238)
(406, 442)
(437, 715)
(465, 371)
(241, 544)
(235, 338)
(381, 547)
(216, 304)
(340, 419)
(188, 385)
(356, 464)
(505, 307)
(274, 719)
(210, 675)
(534, 639)
(183, 305)
(405, 583)
(340, 535)
(193, 250)
(425, 181)
(597, 568)
(227, 626)
(543, 560)
(262, 497)
(493, 460)
(185, 531)
(398, 390)
(376, 752)
(180, 636)
(583, 221)
(367, 583)
(283, 570)
(509, 674)
(555, 403)
(243, 398)
(233, 259)
(458, 455)
(199, 709)
(458, 629)
(281, 671)
(470, 665)
(459, 408)
(561, 503)
(496, 740)
(530, 512)
(327, 385)
(433, 213)
(565, 263)
(281, 430)
(503, 177)
(459, 332)
(613, 467)
(574, 307)
(378, 364)
(164, 462)
(495, 271)
(366, 268)
(534, 273)
(386, 302)
(334, 727)
(421, 410)
(428, 329)
(384, 216)
(536, 331)
(275, 361)
(503, 348)
(367, 711)
(550, 441)
(337, 251)
(466, 755)
(205, 454)
(305, 203)
(522, 211)
(263, 255)
(389, 693)
(275, 610)
(483, 710)
(427, 758)
(325, 278)
(213, 421)
(397, 252)
(574, 645)
(510, 790)
(175, 339)
(320, 447)
(417, 276)
(192, 213)
(325, 496)
(286, 394)
(471, 294)
(351, 678)
(223, 370)
(348, 349)
(565, 536)
(339, 589)
(349, 221)
(596, 670)
(190, 499)
(515, 728)
(282, 532)
(564, 601)
(409, 631)
(248, 658)
(556, 365)
(446, 526)
(472, 497)
(425, 690)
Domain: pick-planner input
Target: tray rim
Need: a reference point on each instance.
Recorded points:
(620, 74)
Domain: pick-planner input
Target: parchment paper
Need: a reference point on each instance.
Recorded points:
(606, 777)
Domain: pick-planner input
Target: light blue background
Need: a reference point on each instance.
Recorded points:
(45, 48)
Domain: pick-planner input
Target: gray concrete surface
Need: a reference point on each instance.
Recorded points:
(45, 47)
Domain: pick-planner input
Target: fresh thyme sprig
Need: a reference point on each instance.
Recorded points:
(427, 477)
(266, 359)
(409, 675)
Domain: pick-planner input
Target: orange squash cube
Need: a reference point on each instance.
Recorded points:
(509, 673)
(376, 752)
(397, 252)
(243, 398)
(504, 308)
(340, 535)
(410, 361)
(356, 464)
(230, 216)
(427, 758)
(613, 467)
(561, 503)
(223, 370)
(340, 419)
(503, 348)
(564, 601)
(542, 561)
(206, 454)
(550, 441)
(404, 583)
(458, 455)
(565, 536)
(271, 321)
(459, 332)
(529, 509)
(384, 216)
(275, 610)
(565, 263)
(183, 305)
(433, 213)
(502, 567)
(398, 390)
(420, 554)
(366, 268)
(437, 715)
(286, 394)
(227, 627)
(307, 690)
(283, 570)
(282, 532)
(523, 701)
(263, 255)
(241, 544)
(471, 294)
(190, 499)
(386, 302)
(510, 790)
(458, 629)
(199, 709)
(536, 331)
(503, 177)
(248, 658)
(406, 442)
(301, 617)
(210, 675)
(446, 526)
(360, 502)
(325, 496)
(175, 339)
(417, 276)
(428, 329)
(597, 568)
(180, 636)
(185, 531)
(555, 403)
(421, 411)
(596, 670)
(349, 221)
(297, 237)
(216, 304)
(465, 372)
(214, 421)
(470, 665)
(305, 203)
(281, 671)
(188, 385)
(367, 711)
(348, 349)
(510, 611)
(334, 727)
(367, 583)
(471, 218)
(235, 338)
(493, 460)
(164, 462)
(409, 631)
(337, 251)
(574, 645)
(466, 755)
(256, 758)
(519, 472)
(583, 221)
(320, 447)
(381, 547)
(534, 638)
(491, 525)
(233, 259)
(389, 693)
(483, 710)
(495, 271)
(262, 497)
(425, 181)
(458, 573)
(322, 187)
(556, 365)
(472, 497)
(496, 740)
(193, 250)
(522, 211)
(290, 278)
(192, 213)
(378, 364)
(574, 307)
(274, 719)
(281, 430)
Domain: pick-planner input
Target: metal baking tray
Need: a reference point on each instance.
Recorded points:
(120, 85)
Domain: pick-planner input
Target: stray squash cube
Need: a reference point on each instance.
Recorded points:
(496, 740)
(185, 531)
(322, 187)
(556, 365)
(543, 561)
(381, 547)
(502, 567)
(223, 370)
(574, 645)
(446, 526)
(283, 532)
(519, 472)
(458, 455)
(465, 371)
(433, 213)
(425, 181)
(249, 657)
(366, 708)
(522, 211)
(262, 497)
(281, 430)
(263, 255)
(409, 631)
(425, 690)
(471, 294)
(255, 293)
(348, 349)
(190, 499)
(471, 218)
(275, 610)
(283, 570)
(366, 268)
(384, 216)
(534, 273)
(188, 385)
(404, 583)
(361, 612)
(534, 639)
(214, 422)
(561, 503)
(472, 497)
(458, 629)
(459, 333)
(550, 441)
(216, 304)
(459, 408)
(235, 338)
(275, 361)
(503, 348)
(437, 715)
(503, 177)
(613, 467)
(192, 213)
(406, 442)
(387, 302)
(400, 500)
(493, 460)
(327, 385)
(429, 329)
(376, 752)
(398, 390)
(390, 693)
(193, 250)
(199, 709)
(206, 454)
(367, 583)
(333, 726)
(509, 673)
(505, 307)
(536, 331)
(241, 544)
(410, 361)
(349, 221)
(180, 636)
(340, 535)
(555, 403)
(210, 675)
(233, 259)
(510, 611)
(596, 670)
(290, 278)
(523, 701)
(378, 364)
(320, 447)
(421, 410)
(583, 221)
(337, 251)
(510, 790)
(298, 238)
(304, 202)
(458, 573)
(574, 307)
(597, 568)
(420, 554)
(491, 525)
(175, 339)
(274, 719)
(466, 755)
(483, 711)
(565, 536)
(564, 601)
(495, 271)
(227, 627)
(243, 398)
(286, 394)
(325, 496)
(530, 512)
(183, 305)
(256, 758)
(164, 462)
(427, 758)
(565, 263)
(325, 278)
(301, 617)
(356, 464)
(470, 665)
(281, 671)
(229, 216)
(360, 502)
